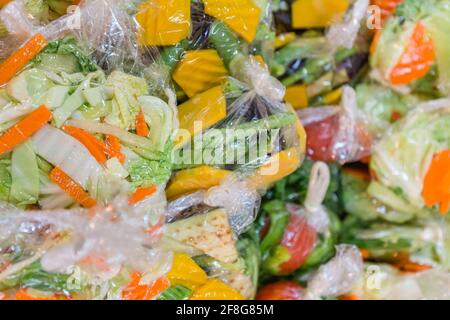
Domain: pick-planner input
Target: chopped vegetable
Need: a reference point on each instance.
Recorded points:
(215, 289)
(24, 128)
(19, 59)
(73, 189)
(141, 193)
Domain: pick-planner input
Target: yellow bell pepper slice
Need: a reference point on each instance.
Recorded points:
(297, 96)
(215, 289)
(276, 168)
(199, 70)
(241, 16)
(199, 113)
(186, 272)
(195, 179)
(333, 97)
(284, 39)
(317, 13)
(164, 22)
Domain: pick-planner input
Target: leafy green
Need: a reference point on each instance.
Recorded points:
(5, 179)
(33, 276)
(175, 292)
(146, 172)
(24, 175)
(68, 46)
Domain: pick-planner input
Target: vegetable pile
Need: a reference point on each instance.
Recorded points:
(224, 149)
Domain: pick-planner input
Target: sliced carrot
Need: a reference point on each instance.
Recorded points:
(113, 148)
(416, 60)
(25, 128)
(135, 291)
(364, 253)
(141, 126)
(4, 2)
(141, 194)
(375, 41)
(19, 59)
(387, 7)
(22, 294)
(95, 146)
(349, 297)
(73, 189)
(436, 186)
(409, 266)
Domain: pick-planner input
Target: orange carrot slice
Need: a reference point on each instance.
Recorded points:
(113, 148)
(25, 128)
(436, 186)
(135, 291)
(4, 2)
(416, 60)
(141, 193)
(95, 146)
(73, 189)
(375, 41)
(22, 294)
(19, 59)
(141, 126)
(387, 7)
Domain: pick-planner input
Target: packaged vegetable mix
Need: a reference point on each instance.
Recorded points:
(81, 124)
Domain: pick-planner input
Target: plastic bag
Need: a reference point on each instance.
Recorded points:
(408, 53)
(78, 254)
(410, 157)
(206, 225)
(308, 232)
(314, 65)
(339, 134)
(331, 280)
(104, 126)
(383, 282)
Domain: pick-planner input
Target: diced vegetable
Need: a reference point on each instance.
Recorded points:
(141, 193)
(164, 23)
(186, 272)
(73, 189)
(201, 112)
(317, 14)
(199, 70)
(95, 146)
(217, 240)
(19, 59)
(297, 96)
(137, 291)
(281, 290)
(242, 17)
(141, 126)
(215, 289)
(190, 180)
(24, 128)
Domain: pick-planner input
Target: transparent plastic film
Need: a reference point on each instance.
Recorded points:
(85, 120)
(416, 167)
(308, 231)
(77, 254)
(384, 282)
(338, 276)
(339, 134)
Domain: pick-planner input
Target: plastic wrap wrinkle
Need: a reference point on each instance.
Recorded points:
(240, 201)
(117, 237)
(338, 276)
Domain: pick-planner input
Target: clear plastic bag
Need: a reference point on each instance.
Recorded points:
(309, 230)
(77, 254)
(107, 123)
(340, 133)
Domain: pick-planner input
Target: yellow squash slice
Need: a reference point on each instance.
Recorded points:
(241, 16)
(297, 96)
(215, 289)
(186, 272)
(317, 13)
(195, 179)
(210, 233)
(199, 113)
(199, 70)
(164, 22)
